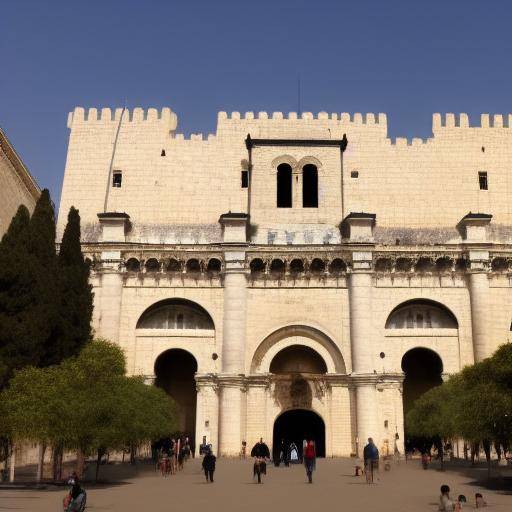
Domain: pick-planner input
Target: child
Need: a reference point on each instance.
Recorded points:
(460, 500)
(445, 503)
(209, 465)
(479, 501)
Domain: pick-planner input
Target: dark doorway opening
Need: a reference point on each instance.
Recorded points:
(175, 370)
(423, 369)
(296, 425)
(284, 186)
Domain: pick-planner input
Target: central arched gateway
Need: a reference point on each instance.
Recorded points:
(174, 371)
(294, 426)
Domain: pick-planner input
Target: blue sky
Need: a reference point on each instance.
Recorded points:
(406, 58)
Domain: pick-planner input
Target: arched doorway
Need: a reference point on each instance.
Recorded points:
(296, 425)
(175, 373)
(423, 369)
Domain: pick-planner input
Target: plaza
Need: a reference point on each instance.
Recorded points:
(406, 488)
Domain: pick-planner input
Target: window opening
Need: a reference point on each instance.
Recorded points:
(354, 174)
(162, 153)
(482, 180)
(117, 179)
(309, 186)
(245, 179)
(284, 186)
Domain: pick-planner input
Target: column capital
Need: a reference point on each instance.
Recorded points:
(359, 226)
(258, 381)
(114, 226)
(229, 380)
(362, 261)
(473, 227)
(235, 227)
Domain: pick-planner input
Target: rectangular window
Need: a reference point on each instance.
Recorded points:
(117, 179)
(245, 179)
(354, 174)
(482, 180)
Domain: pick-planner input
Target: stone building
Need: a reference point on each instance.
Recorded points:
(294, 275)
(16, 184)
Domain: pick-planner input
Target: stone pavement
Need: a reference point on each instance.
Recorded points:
(406, 488)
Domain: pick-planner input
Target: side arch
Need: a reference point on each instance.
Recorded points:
(297, 335)
(309, 160)
(284, 159)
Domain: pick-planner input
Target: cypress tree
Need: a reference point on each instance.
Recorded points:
(18, 346)
(75, 290)
(45, 315)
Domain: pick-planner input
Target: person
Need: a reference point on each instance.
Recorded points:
(261, 453)
(203, 447)
(310, 460)
(243, 451)
(460, 501)
(445, 502)
(479, 501)
(209, 465)
(371, 459)
(76, 499)
(424, 460)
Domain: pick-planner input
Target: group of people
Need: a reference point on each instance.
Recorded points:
(447, 504)
(288, 453)
(172, 455)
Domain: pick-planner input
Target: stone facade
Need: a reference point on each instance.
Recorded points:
(16, 184)
(389, 260)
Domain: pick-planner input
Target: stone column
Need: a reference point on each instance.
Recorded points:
(207, 411)
(475, 236)
(114, 226)
(341, 442)
(361, 340)
(231, 381)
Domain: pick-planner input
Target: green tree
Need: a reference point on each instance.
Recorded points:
(75, 291)
(44, 311)
(85, 404)
(18, 341)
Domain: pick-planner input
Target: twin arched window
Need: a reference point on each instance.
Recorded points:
(309, 186)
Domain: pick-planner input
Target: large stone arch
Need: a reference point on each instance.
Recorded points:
(422, 301)
(302, 335)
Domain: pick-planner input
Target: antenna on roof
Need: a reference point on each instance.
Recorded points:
(299, 106)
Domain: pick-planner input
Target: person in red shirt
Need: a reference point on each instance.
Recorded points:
(310, 459)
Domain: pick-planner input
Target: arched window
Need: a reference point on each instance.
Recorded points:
(309, 186)
(421, 314)
(175, 314)
(284, 186)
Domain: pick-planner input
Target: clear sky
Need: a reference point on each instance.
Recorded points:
(408, 58)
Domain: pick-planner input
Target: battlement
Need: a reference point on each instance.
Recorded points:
(450, 120)
(401, 142)
(194, 137)
(356, 118)
(107, 116)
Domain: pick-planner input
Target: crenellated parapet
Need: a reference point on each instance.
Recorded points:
(451, 120)
(106, 116)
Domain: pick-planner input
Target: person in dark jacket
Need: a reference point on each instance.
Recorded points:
(261, 453)
(371, 459)
(209, 465)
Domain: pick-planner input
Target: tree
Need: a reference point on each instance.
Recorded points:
(18, 343)
(75, 291)
(44, 311)
(85, 404)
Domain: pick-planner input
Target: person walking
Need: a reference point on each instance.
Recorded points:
(261, 453)
(209, 465)
(310, 459)
(371, 460)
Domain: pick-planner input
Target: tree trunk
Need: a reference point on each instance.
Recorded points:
(132, 454)
(55, 463)
(487, 450)
(98, 463)
(40, 462)
(12, 463)
(80, 463)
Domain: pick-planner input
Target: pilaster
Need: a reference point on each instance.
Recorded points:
(207, 410)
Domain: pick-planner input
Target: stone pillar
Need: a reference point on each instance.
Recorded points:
(257, 390)
(114, 226)
(361, 339)
(207, 411)
(340, 438)
(231, 381)
(475, 236)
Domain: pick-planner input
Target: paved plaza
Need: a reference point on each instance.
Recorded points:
(405, 488)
